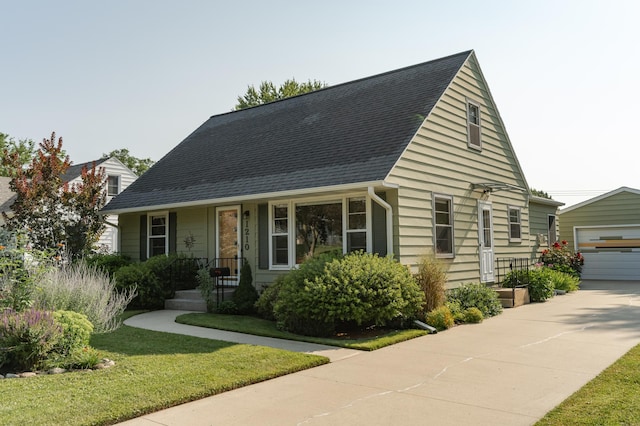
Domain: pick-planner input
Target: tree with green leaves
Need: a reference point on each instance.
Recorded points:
(50, 212)
(539, 193)
(24, 149)
(136, 165)
(268, 92)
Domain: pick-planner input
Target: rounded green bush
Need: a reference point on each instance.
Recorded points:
(440, 318)
(473, 315)
(76, 331)
(359, 288)
(540, 285)
(476, 295)
(266, 302)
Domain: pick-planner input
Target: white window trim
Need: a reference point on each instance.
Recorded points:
(469, 124)
(451, 224)
(555, 230)
(519, 210)
(166, 231)
(291, 225)
(119, 177)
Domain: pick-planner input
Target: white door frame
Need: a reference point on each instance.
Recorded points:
(485, 242)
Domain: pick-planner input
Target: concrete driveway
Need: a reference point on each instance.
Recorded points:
(510, 370)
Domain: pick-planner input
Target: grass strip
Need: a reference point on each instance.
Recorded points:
(262, 327)
(611, 398)
(153, 371)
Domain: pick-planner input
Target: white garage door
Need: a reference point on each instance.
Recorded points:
(610, 252)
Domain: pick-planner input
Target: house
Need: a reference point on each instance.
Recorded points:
(118, 178)
(606, 230)
(6, 197)
(409, 162)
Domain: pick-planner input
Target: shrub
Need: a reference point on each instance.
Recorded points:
(246, 295)
(138, 276)
(540, 285)
(440, 318)
(84, 289)
(561, 258)
(473, 315)
(476, 295)
(109, 263)
(561, 280)
(432, 279)
(76, 332)
(516, 278)
(456, 310)
(227, 307)
(360, 288)
(27, 338)
(265, 304)
(206, 284)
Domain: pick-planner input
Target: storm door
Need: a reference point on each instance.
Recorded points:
(228, 254)
(485, 243)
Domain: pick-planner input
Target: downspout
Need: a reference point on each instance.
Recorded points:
(389, 223)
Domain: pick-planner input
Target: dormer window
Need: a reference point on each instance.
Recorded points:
(473, 125)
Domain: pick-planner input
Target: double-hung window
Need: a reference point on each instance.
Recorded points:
(113, 185)
(280, 234)
(158, 234)
(474, 138)
(515, 225)
(356, 224)
(443, 225)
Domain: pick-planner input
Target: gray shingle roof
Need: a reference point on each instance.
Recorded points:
(76, 169)
(344, 134)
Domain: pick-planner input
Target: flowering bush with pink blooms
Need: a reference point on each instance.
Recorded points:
(560, 258)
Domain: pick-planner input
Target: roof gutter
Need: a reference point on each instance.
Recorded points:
(389, 210)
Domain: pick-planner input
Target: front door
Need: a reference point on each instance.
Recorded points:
(485, 237)
(227, 242)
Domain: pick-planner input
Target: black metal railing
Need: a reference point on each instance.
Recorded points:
(225, 272)
(183, 272)
(517, 269)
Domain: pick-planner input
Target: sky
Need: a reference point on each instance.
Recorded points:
(144, 74)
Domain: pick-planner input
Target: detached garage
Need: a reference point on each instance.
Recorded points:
(606, 230)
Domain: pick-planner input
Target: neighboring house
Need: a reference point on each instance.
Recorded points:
(6, 197)
(409, 162)
(606, 230)
(119, 177)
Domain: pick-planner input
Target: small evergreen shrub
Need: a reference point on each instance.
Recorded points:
(359, 288)
(473, 315)
(476, 295)
(227, 307)
(138, 277)
(440, 318)
(84, 289)
(206, 285)
(264, 305)
(27, 338)
(246, 295)
(432, 280)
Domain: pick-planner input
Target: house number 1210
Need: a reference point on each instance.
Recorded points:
(246, 233)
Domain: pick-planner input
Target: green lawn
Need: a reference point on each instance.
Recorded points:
(261, 327)
(612, 398)
(153, 371)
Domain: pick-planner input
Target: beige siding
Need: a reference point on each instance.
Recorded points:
(439, 161)
(619, 209)
(129, 226)
(539, 226)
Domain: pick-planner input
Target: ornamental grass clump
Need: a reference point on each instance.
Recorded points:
(84, 289)
(432, 279)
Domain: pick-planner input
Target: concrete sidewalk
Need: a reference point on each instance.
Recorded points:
(510, 370)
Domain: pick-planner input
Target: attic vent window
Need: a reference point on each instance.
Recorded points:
(473, 124)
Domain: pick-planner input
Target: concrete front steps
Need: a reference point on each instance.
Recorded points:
(506, 297)
(187, 300)
(191, 300)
